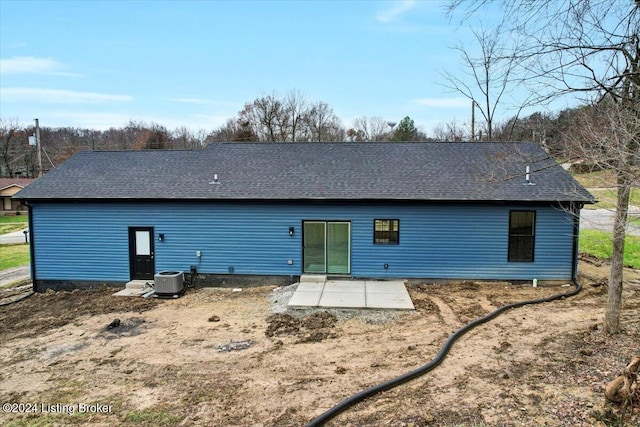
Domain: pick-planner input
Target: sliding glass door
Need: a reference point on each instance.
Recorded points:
(327, 247)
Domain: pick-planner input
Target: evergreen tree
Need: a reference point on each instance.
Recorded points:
(406, 131)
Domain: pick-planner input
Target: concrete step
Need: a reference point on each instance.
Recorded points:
(138, 284)
(136, 288)
(313, 278)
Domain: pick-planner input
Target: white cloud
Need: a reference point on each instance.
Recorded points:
(398, 8)
(103, 120)
(443, 102)
(58, 96)
(98, 120)
(193, 121)
(197, 101)
(204, 101)
(32, 65)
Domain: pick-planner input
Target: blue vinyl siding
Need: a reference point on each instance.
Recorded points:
(89, 241)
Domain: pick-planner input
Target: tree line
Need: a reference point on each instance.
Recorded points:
(273, 119)
(293, 118)
(18, 158)
(266, 119)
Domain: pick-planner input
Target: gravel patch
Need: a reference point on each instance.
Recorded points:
(280, 297)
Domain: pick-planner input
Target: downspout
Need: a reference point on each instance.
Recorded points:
(575, 211)
(32, 249)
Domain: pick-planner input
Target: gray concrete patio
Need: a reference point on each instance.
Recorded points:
(352, 294)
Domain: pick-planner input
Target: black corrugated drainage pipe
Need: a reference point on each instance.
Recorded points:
(345, 404)
(24, 297)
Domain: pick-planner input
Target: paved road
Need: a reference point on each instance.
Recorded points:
(15, 237)
(602, 219)
(14, 274)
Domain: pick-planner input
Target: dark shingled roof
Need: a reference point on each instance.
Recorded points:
(315, 171)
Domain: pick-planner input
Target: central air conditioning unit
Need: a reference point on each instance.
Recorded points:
(169, 282)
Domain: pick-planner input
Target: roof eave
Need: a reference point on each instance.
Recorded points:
(299, 199)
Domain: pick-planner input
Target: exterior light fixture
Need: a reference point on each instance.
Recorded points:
(161, 237)
(291, 231)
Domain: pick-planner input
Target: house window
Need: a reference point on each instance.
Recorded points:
(386, 231)
(522, 228)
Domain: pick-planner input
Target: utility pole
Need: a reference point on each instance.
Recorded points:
(38, 148)
(473, 120)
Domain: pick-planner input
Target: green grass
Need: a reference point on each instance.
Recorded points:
(13, 218)
(598, 244)
(598, 179)
(10, 224)
(607, 198)
(603, 185)
(14, 256)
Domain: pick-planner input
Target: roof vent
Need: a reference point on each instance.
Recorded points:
(215, 179)
(527, 176)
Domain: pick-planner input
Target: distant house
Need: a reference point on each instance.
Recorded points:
(8, 188)
(245, 210)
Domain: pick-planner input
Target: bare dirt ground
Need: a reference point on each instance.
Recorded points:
(221, 358)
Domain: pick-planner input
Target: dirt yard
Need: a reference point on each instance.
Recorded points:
(216, 357)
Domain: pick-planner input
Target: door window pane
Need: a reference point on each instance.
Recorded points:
(143, 243)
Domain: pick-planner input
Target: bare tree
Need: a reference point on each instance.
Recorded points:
(491, 74)
(9, 141)
(292, 118)
(268, 117)
(295, 105)
(235, 129)
(369, 129)
(183, 138)
(605, 134)
(199, 138)
(152, 137)
(590, 47)
(119, 138)
(541, 127)
(322, 123)
(451, 131)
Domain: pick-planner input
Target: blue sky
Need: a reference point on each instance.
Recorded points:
(195, 63)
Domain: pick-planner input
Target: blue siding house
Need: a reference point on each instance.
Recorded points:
(246, 211)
